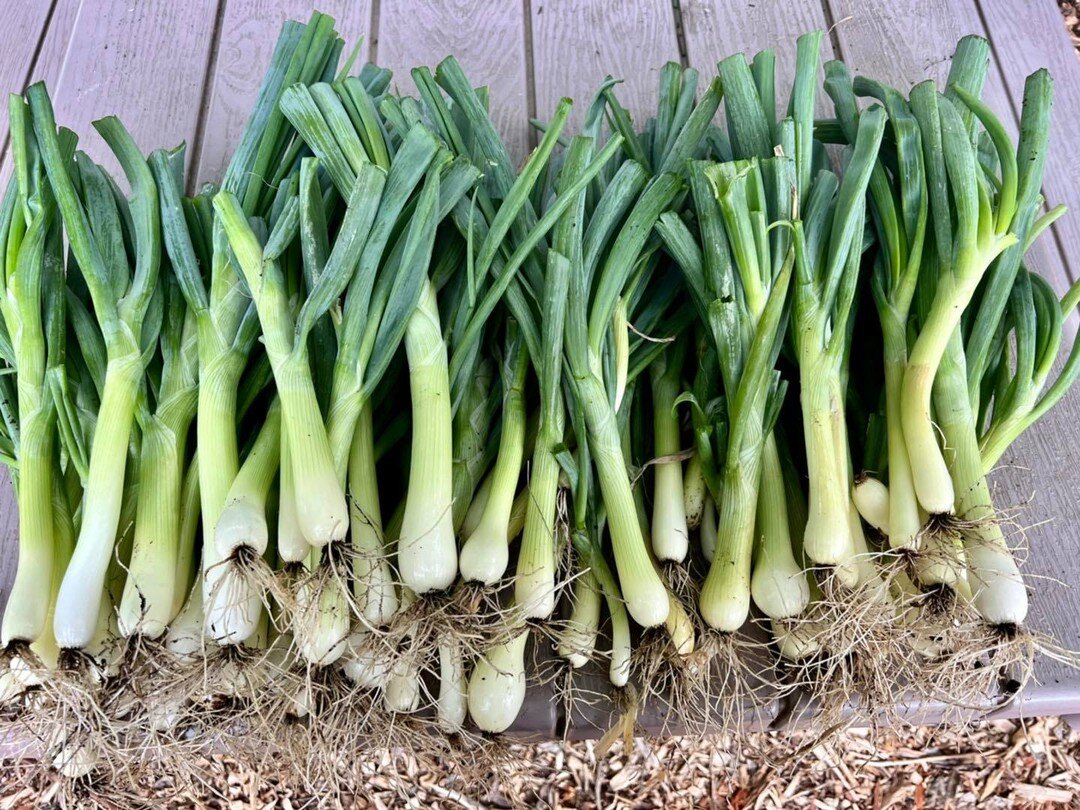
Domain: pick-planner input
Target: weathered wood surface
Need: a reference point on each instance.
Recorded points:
(576, 43)
(189, 71)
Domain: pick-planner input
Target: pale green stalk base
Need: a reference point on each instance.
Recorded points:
(147, 602)
(486, 553)
(644, 592)
(497, 685)
(827, 538)
(242, 522)
(679, 627)
(189, 526)
(799, 640)
(374, 593)
(941, 559)
(1000, 595)
(778, 585)
(670, 532)
(671, 536)
(366, 664)
(534, 583)
(871, 498)
(83, 585)
(693, 492)
(320, 498)
(869, 582)
(402, 691)
(321, 624)
(621, 650)
(476, 508)
(427, 548)
(292, 547)
(933, 483)
(725, 596)
(577, 642)
(26, 613)
(184, 637)
(905, 522)
(709, 530)
(231, 600)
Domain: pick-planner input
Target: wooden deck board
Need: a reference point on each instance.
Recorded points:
(143, 62)
(157, 63)
(577, 43)
(31, 20)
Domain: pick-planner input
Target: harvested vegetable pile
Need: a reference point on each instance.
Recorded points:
(341, 453)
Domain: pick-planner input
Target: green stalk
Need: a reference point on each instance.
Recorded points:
(190, 506)
(373, 587)
(534, 586)
(472, 424)
(725, 596)
(319, 495)
(905, 522)
(292, 546)
(778, 584)
(121, 322)
(147, 602)
(981, 236)
(670, 534)
(25, 614)
(1000, 595)
(827, 539)
(427, 550)
(485, 553)
(146, 605)
(577, 642)
(644, 592)
(242, 522)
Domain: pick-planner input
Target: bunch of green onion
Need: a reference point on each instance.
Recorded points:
(431, 411)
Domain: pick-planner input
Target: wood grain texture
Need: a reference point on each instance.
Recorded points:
(143, 62)
(486, 36)
(718, 28)
(247, 34)
(26, 22)
(1042, 42)
(50, 49)
(576, 43)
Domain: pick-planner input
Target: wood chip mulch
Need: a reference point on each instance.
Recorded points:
(996, 765)
(1070, 10)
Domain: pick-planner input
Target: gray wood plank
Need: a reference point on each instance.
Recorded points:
(577, 43)
(488, 39)
(715, 29)
(45, 63)
(143, 62)
(1041, 41)
(246, 38)
(903, 42)
(24, 28)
